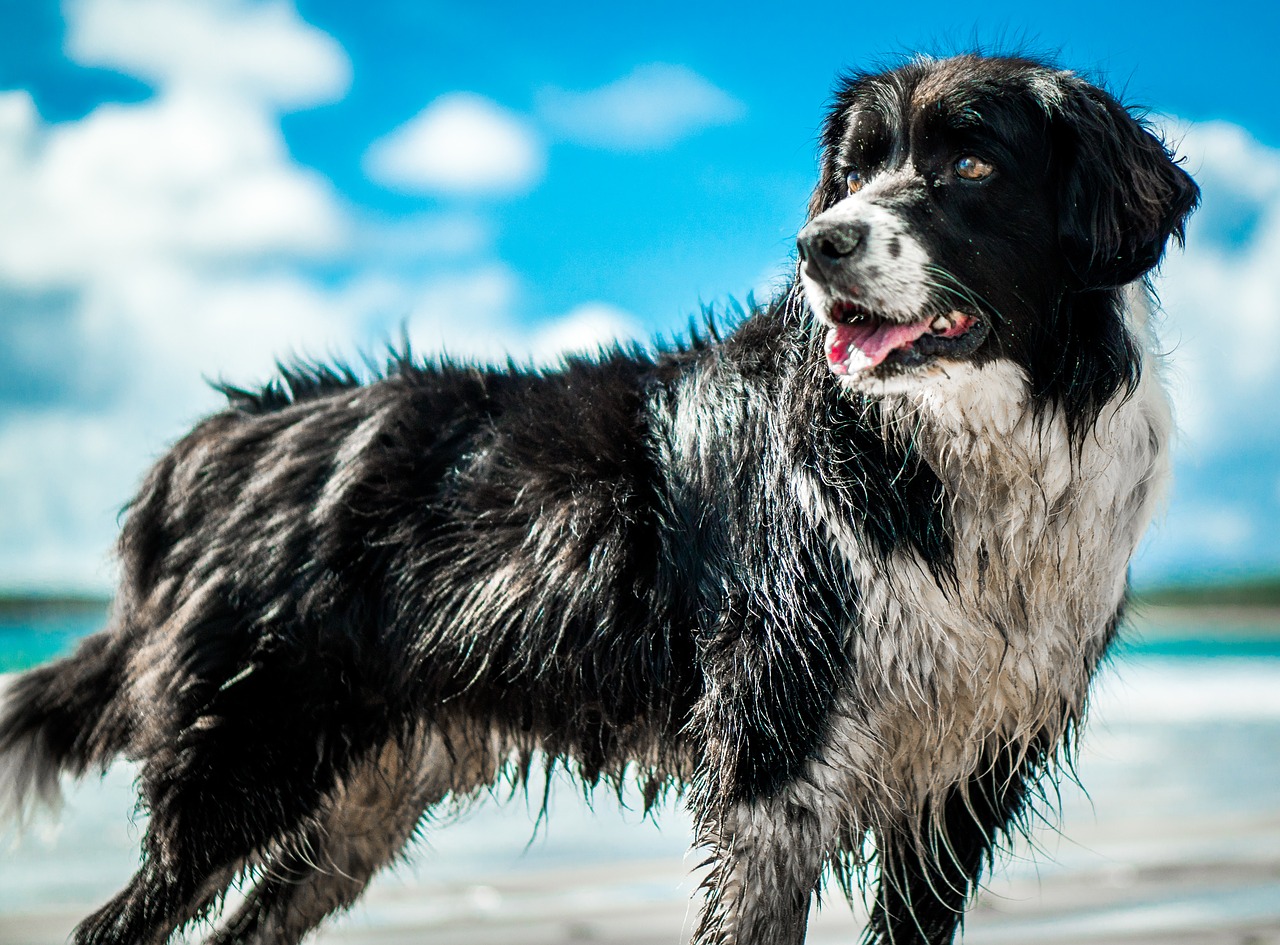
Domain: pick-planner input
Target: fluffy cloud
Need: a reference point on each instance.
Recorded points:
(150, 246)
(1221, 298)
(584, 329)
(151, 238)
(461, 144)
(63, 477)
(465, 145)
(653, 106)
(1222, 295)
(258, 51)
(178, 179)
(471, 315)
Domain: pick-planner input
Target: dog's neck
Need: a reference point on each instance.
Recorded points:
(1042, 532)
(1018, 465)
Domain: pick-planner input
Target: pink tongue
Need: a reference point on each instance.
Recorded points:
(873, 341)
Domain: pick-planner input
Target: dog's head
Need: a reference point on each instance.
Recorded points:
(975, 208)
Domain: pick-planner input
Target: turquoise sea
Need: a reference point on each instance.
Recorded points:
(1174, 838)
(31, 639)
(28, 640)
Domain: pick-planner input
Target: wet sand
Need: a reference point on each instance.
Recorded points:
(1177, 843)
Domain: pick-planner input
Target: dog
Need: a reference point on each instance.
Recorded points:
(839, 577)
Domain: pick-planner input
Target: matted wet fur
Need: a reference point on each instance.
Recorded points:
(840, 578)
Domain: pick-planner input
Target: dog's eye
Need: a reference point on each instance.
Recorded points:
(973, 168)
(853, 180)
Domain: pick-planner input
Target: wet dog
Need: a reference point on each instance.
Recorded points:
(840, 578)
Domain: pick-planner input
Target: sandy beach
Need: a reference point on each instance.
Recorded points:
(1177, 841)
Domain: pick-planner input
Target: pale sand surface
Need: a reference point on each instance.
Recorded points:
(1177, 843)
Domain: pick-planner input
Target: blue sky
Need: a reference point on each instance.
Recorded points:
(193, 188)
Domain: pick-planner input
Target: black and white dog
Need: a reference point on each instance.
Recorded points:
(841, 577)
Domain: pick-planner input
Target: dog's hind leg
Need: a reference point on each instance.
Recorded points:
(228, 770)
(156, 901)
(365, 823)
(187, 866)
(310, 869)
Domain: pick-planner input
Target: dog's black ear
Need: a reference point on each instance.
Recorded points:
(830, 189)
(1122, 194)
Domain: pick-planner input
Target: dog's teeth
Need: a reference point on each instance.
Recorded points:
(941, 323)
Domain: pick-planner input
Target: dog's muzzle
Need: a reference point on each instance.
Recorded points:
(831, 249)
(871, 331)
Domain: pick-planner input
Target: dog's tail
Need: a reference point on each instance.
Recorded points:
(66, 717)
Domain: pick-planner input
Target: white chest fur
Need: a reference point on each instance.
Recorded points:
(1042, 540)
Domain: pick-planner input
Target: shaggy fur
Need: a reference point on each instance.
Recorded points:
(844, 592)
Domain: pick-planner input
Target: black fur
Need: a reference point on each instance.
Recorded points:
(406, 588)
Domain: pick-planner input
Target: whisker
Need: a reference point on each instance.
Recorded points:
(953, 285)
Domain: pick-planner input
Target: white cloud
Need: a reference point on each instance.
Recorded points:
(1222, 294)
(466, 314)
(584, 329)
(471, 315)
(461, 144)
(58, 513)
(66, 469)
(259, 51)
(148, 246)
(1208, 530)
(653, 106)
(232, 328)
(1218, 529)
(415, 236)
(177, 179)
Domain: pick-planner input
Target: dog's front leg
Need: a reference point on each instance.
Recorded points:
(766, 859)
(930, 868)
(772, 665)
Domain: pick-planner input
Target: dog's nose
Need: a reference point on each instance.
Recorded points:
(829, 244)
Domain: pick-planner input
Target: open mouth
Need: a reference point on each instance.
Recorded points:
(861, 341)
